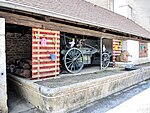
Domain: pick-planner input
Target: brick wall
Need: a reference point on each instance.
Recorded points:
(18, 46)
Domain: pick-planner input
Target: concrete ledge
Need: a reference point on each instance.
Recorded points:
(67, 98)
(122, 64)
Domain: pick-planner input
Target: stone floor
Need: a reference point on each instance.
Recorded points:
(68, 80)
(17, 104)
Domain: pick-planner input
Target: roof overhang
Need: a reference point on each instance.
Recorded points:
(35, 10)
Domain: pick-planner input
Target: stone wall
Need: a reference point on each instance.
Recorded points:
(67, 98)
(3, 90)
(18, 46)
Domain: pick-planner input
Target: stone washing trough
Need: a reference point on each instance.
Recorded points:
(64, 94)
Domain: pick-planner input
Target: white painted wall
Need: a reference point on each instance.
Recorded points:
(140, 11)
(107, 4)
(123, 8)
(3, 90)
(133, 49)
(139, 15)
(149, 52)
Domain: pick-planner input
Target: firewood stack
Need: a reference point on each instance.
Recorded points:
(23, 68)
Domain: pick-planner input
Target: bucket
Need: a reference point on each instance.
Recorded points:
(12, 68)
(52, 56)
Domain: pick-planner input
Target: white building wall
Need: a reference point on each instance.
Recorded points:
(140, 11)
(3, 94)
(107, 4)
(137, 10)
(149, 52)
(140, 16)
(102, 3)
(133, 49)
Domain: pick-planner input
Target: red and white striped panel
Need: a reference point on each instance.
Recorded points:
(42, 64)
(118, 51)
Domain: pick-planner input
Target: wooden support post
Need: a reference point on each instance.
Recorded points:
(100, 48)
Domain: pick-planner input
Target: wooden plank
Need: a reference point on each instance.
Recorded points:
(29, 21)
(45, 70)
(38, 45)
(42, 75)
(38, 68)
(45, 35)
(32, 22)
(44, 60)
(55, 40)
(41, 65)
(39, 40)
(43, 50)
(45, 30)
(43, 55)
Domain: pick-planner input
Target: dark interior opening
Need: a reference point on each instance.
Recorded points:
(88, 46)
(18, 51)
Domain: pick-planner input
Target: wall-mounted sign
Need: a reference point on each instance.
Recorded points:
(116, 47)
(36, 35)
(52, 56)
(143, 49)
(43, 41)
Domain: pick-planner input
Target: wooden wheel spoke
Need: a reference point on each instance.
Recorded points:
(68, 62)
(69, 55)
(105, 60)
(77, 66)
(74, 66)
(68, 58)
(73, 60)
(78, 56)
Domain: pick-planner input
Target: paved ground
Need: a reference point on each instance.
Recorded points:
(103, 105)
(140, 104)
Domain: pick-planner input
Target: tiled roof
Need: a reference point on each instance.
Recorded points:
(85, 12)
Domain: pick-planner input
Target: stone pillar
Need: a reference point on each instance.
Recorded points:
(3, 87)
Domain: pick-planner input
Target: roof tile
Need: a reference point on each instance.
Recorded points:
(88, 13)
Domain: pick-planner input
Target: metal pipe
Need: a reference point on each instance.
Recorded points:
(100, 52)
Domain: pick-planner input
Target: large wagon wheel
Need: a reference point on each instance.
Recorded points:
(73, 60)
(105, 60)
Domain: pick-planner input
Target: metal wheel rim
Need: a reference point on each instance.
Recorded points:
(73, 61)
(105, 60)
